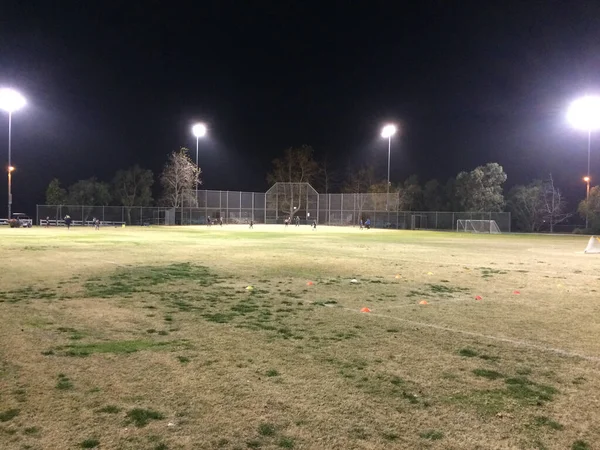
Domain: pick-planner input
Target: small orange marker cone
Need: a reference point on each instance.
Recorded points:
(310, 283)
(365, 310)
(423, 302)
(517, 292)
(478, 297)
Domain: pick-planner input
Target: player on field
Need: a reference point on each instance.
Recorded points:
(297, 221)
(368, 224)
(314, 225)
(251, 223)
(68, 221)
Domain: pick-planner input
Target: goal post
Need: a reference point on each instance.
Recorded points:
(477, 226)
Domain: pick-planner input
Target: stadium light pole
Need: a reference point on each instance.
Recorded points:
(387, 132)
(10, 101)
(587, 196)
(199, 130)
(584, 114)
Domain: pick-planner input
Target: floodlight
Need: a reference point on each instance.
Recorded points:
(388, 131)
(11, 100)
(584, 113)
(199, 130)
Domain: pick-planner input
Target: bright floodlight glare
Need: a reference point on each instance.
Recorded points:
(586, 179)
(199, 130)
(11, 100)
(584, 113)
(11, 169)
(388, 130)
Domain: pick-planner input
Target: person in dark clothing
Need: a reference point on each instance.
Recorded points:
(97, 224)
(208, 222)
(47, 221)
(251, 223)
(221, 221)
(314, 225)
(297, 221)
(68, 221)
(368, 224)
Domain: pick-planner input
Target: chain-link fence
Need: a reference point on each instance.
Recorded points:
(275, 206)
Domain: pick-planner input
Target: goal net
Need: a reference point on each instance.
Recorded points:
(477, 226)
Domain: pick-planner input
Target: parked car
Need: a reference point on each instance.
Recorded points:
(20, 220)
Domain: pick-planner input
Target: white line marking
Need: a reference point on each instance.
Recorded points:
(516, 342)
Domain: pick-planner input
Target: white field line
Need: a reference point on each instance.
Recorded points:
(516, 342)
(111, 262)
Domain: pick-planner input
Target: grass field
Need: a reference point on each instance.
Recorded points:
(147, 338)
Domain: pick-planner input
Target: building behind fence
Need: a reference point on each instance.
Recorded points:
(274, 206)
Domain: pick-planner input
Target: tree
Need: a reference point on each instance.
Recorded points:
(452, 201)
(359, 182)
(380, 198)
(411, 194)
(133, 187)
(179, 180)
(90, 192)
(327, 177)
(433, 199)
(55, 195)
(527, 206)
(554, 204)
(590, 209)
(481, 189)
(296, 167)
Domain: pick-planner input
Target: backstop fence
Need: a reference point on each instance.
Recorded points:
(275, 206)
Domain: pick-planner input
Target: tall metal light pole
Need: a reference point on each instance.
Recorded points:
(10, 101)
(584, 114)
(199, 130)
(387, 132)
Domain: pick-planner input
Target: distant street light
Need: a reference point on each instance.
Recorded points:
(10, 101)
(198, 130)
(584, 114)
(387, 132)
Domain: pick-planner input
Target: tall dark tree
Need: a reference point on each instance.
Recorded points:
(590, 209)
(411, 194)
(433, 198)
(133, 187)
(481, 189)
(55, 194)
(90, 192)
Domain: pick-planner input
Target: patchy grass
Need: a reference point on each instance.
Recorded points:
(483, 372)
(110, 409)
(116, 347)
(266, 429)
(141, 417)
(432, 435)
(64, 384)
(90, 443)
(9, 414)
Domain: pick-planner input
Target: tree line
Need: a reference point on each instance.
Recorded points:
(537, 206)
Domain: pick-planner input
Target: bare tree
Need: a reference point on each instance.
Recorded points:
(554, 204)
(358, 182)
(179, 179)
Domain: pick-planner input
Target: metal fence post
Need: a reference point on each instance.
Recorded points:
(240, 206)
(436, 220)
(103, 214)
(123, 214)
(453, 222)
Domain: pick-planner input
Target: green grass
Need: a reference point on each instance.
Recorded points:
(90, 443)
(64, 384)
(9, 414)
(489, 374)
(272, 373)
(110, 409)
(580, 445)
(547, 422)
(285, 442)
(140, 417)
(266, 429)
(432, 435)
(116, 347)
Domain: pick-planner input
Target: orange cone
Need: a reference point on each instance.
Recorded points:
(365, 310)
(310, 283)
(423, 302)
(516, 292)
(478, 297)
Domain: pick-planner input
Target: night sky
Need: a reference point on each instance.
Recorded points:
(111, 84)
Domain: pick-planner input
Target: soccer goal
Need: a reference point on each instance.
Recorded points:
(477, 226)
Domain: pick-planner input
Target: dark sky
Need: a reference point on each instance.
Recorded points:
(111, 84)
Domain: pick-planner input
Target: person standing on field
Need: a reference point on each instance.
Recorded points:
(68, 221)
